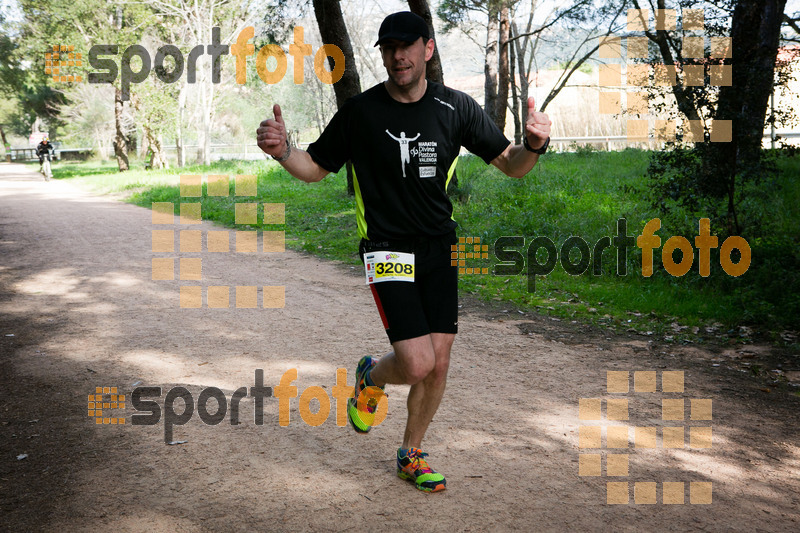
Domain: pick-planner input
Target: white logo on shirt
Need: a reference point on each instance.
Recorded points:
(405, 156)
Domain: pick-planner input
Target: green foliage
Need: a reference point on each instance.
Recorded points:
(26, 87)
(677, 178)
(155, 104)
(586, 68)
(23, 45)
(583, 150)
(767, 208)
(584, 194)
(454, 13)
(687, 182)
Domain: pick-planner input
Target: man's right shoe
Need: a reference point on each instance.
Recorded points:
(412, 466)
(362, 416)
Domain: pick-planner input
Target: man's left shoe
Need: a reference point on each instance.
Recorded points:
(414, 467)
(361, 416)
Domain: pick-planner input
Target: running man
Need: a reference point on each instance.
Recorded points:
(409, 220)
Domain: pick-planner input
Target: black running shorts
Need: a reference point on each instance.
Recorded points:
(429, 304)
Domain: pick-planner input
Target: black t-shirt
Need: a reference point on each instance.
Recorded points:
(44, 149)
(404, 155)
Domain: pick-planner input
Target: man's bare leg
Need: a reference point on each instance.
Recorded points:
(421, 362)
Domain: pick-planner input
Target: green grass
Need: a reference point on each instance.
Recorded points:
(583, 195)
(567, 194)
(320, 217)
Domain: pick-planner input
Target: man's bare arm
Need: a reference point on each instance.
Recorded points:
(516, 161)
(271, 138)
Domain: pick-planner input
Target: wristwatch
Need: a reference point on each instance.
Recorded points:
(286, 155)
(539, 151)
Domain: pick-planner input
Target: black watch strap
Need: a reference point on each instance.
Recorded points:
(539, 151)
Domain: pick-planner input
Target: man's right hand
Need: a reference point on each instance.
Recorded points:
(271, 134)
(271, 138)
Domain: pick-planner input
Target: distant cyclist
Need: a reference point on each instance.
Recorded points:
(44, 151)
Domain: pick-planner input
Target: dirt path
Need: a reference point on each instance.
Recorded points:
(77, 296)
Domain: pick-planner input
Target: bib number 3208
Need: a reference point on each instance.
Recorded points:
(389, 266)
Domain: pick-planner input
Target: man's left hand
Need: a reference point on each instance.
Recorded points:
(537, 126)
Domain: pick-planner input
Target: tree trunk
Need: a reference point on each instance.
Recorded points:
(160, 160)
(434, 66)
(207, 111)
(333, 30)
(433, 70)
(155, 144)
(514, 99)
(120, 140)
(502, 71)
(102, 143)
(207, 90)
(179, 144)
(490, 62)
(6, 146)
(520, 50)
(755, 34)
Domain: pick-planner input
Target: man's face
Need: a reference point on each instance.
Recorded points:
(405, 62)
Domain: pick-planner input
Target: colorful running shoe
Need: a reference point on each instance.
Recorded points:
(414, 467)
(361, 416)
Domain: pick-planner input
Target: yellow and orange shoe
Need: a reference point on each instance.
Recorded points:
(411, 465)
(362, 414)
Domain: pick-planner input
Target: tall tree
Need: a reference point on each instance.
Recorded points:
(434, 67)
(433, 70)
(515, 100)
(717, 171)
(490, 64)
(80, 24)
(502, 32)
(755, 34)
(121, 138)
(22, 74)
(333, 30)
(204, 22)
(503, 79)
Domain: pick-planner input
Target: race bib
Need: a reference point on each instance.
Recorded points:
(388, 266)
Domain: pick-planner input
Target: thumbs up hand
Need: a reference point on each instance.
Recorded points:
(537, 126)
(271, 134)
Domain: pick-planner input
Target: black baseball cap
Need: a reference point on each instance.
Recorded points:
(403, 26)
